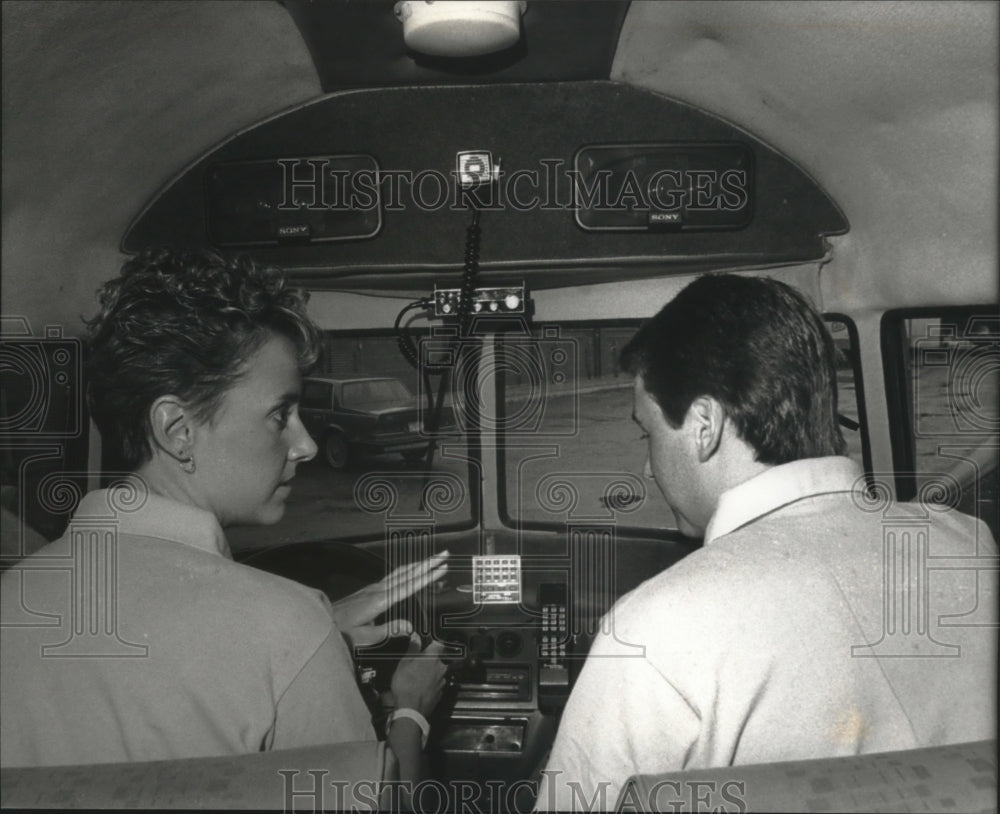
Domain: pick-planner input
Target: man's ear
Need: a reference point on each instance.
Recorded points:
(173, 426)
(707, 418)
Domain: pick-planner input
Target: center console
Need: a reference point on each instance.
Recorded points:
(510, 671)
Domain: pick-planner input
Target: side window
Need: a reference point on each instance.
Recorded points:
(943, 377)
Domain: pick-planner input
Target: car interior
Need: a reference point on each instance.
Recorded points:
(485, 201)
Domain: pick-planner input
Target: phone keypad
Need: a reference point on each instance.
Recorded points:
(554, 630)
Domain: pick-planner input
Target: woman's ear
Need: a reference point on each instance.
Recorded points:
(172, 423)
(707, 418)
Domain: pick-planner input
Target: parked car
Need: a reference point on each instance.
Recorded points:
(364, 416)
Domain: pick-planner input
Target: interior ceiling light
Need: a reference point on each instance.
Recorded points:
(460, 28)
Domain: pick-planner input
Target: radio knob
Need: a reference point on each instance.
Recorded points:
(509, 644)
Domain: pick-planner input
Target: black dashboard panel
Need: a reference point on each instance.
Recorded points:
(529, 225)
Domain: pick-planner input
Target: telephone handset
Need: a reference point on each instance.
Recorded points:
(554, 647)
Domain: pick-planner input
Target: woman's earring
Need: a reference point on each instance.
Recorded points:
(187, 462)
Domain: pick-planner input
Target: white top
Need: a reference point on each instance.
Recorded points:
(815, 622)
(136, 637)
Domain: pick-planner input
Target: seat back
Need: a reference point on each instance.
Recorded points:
(343, 776)
(956, 777)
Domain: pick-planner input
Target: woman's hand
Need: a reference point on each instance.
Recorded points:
(416, 684)
(419, 678)
(354, 614)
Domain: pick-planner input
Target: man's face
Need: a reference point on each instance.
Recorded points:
(671, 460)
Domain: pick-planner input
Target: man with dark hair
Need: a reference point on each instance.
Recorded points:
(776, 640)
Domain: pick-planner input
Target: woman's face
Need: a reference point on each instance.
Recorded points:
(246, 454)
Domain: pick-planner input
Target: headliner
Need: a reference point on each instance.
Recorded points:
(892, 107)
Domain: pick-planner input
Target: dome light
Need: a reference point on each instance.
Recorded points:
(465, 28)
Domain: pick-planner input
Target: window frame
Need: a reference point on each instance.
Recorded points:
(859, 389)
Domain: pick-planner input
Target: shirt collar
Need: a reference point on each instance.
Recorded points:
(779, 486)
(135, 510)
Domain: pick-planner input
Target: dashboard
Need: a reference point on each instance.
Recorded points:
(510, 671)
(516, 629)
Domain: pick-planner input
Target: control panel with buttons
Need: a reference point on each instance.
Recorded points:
(497, 300)
(496, 579)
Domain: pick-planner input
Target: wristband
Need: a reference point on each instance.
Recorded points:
(416, 717)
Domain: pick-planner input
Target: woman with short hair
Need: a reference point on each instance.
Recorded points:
(194, 373)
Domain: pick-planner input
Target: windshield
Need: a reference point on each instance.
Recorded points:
(376, 391)
(569, 450)
(571, 453)
(371, 478)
